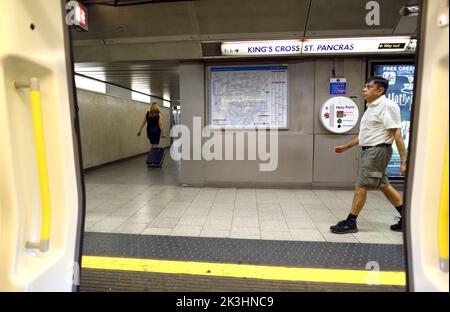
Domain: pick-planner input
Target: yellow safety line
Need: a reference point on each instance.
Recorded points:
(42, 163)
(246, 271)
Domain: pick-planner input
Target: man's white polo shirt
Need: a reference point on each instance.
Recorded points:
(380, 116)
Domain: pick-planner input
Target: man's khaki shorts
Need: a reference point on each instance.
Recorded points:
(372, 170)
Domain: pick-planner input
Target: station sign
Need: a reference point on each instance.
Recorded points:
(339, 114)
(342, 46)
(260, 48)
(359, 45)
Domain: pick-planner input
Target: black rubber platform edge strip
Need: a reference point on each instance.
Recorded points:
(245, 251)
(109, 280)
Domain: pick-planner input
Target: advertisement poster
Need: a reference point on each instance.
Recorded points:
(400, 90)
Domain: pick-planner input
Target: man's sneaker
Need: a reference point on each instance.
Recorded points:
(398, 227)
(344, 227)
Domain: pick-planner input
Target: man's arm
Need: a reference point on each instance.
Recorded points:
(401, 148)
(343, 148)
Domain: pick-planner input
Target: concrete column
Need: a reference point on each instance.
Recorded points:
(192, 90)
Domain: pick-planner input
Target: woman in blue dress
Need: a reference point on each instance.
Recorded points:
(155, 129)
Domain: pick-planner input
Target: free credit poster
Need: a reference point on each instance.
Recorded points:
(400, 90)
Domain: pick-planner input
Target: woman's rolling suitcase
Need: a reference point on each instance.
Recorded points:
(155, 157)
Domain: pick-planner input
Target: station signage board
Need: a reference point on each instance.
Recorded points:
(358, 45)
(342, 46)
(259, 48)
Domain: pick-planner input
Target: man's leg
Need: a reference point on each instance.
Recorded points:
(349, 225)
(392, 195)
(396, 199)
(359, 199)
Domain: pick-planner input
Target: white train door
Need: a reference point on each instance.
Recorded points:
(41, 202)
(427, 184)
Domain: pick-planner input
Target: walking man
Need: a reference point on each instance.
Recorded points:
(380, 126)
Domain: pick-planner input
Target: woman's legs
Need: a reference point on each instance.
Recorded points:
(154, 135)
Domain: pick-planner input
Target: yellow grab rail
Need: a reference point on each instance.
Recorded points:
(443, 216)
(35, 95)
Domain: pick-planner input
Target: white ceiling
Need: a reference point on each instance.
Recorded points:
(158, 78)
(140, 46)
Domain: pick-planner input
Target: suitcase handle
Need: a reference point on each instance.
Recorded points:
(35, 97)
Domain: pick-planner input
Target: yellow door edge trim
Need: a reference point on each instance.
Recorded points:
(443, 216)
(247, 271)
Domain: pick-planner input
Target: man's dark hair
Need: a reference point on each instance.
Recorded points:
(380, 82)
